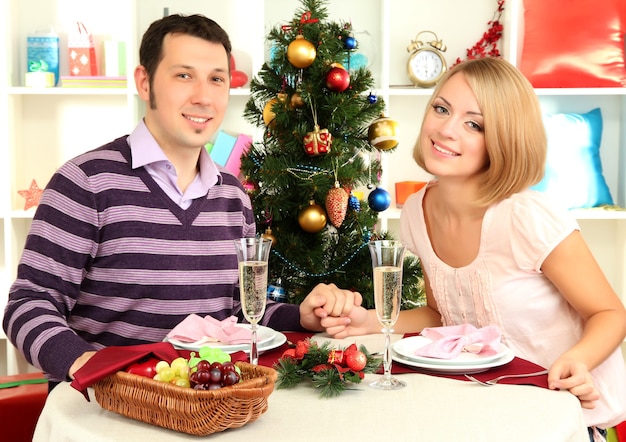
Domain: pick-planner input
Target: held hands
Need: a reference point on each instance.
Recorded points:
(331, 309)
(573, 375)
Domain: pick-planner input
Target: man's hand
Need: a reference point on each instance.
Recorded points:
(79, 362)
(329, 303)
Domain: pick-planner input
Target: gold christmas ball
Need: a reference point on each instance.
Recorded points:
(296, 100)
(301, 52)
(268, 113)
(383, 133)
(313, 218)
(269, 235)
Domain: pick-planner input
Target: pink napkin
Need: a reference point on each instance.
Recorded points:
(450, 341)
(199, 330)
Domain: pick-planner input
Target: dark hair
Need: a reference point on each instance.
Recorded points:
(197, 25)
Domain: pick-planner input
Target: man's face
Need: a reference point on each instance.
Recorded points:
(187, 98)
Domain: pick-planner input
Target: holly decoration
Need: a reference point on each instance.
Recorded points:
(487, 46)
(329, 369)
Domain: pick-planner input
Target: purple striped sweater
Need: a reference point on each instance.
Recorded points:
(110, 259)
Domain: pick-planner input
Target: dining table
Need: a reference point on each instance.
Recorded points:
(431, 407)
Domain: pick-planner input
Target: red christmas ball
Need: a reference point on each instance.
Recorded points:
(338, 79)
(356, 360)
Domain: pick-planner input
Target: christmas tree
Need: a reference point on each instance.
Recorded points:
(324, 132)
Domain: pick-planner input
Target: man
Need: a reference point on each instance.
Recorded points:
(132, 237)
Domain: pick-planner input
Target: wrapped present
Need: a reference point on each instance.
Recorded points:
(82, 51)
(42, 54)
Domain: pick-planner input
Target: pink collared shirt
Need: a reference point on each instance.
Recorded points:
(146, 152)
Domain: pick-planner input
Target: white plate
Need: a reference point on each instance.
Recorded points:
(456, 369)
(264, 336)
(407, 347)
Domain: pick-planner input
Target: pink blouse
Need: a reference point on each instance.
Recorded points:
(504, 286)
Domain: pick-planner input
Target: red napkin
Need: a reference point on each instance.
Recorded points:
(113, 359)
(516, 366)
(195, 328)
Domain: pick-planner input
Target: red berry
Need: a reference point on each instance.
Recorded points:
(356, 360)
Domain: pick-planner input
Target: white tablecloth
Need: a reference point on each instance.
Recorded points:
(429, 409)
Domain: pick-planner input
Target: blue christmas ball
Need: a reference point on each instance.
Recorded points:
(350, 43)
(372, 98)
(379, 200)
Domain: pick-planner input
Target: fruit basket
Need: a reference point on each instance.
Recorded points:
(186, 410)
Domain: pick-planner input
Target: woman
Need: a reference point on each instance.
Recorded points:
(496, 253)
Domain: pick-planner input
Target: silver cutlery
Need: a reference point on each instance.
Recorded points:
(494, 381)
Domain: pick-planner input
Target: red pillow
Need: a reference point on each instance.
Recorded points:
(574, 43)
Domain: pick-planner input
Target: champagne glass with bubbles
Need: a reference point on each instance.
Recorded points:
(253, 254)
(387, 261)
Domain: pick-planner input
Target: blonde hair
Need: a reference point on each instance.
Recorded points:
(515, 137)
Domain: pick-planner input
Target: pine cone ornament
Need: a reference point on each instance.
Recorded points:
(337, 205)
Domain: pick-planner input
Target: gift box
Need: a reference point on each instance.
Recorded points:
(42, 56)
(82, 51)
(405, 188)
(114, 59)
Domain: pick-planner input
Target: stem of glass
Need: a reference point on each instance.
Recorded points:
(254, 353)
(387, 353)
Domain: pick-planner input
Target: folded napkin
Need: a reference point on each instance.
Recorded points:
(200, 330)
(113, 359)
(450, 341)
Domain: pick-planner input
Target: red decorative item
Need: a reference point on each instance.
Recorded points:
(574, 44)
(237, 78)
(32, 195)
(487, 46)
(318, 142)
(335, 357)
(338, 79)
(356, 360)
(337, 205)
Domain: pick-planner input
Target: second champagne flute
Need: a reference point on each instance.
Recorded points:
(253, 255)
(387, 261)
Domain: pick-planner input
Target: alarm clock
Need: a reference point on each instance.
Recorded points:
(426, 63)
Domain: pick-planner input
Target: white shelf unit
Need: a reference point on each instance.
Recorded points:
(42, 128)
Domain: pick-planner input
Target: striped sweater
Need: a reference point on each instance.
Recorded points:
(110, 259)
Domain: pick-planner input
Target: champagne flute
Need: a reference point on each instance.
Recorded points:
(387, 261)
(252, 255)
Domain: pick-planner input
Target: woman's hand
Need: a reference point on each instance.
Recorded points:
(573, 375)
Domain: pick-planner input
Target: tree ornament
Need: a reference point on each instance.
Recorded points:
(268, 112)
(337, 204)
(296, 101)
(350, 43)
(337, 79)
(354, 203)
(276, 291)
(313, 218)
(318, 142)
(372, 98)
(269, 235)
(379, 200)
(249, 186)
(301, 52)
(383, 133)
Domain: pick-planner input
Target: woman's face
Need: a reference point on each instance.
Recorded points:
(453, 137)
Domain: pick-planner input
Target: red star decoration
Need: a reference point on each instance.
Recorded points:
(32, 195)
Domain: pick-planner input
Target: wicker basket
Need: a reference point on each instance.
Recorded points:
(184, 409)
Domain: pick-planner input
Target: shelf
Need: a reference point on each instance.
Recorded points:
(20, 90)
